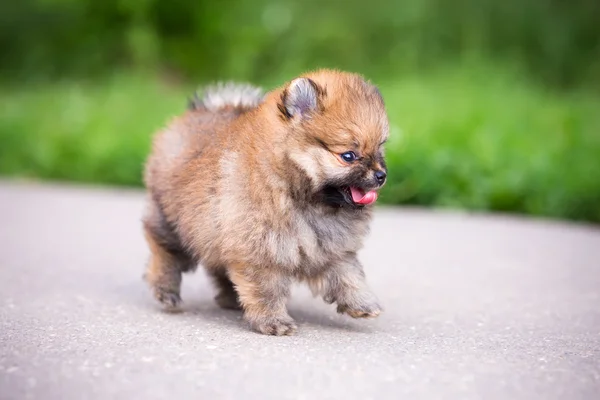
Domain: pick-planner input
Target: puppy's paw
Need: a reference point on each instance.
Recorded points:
(171, 301)
(360, 309)
(276, 326)
(228, 301)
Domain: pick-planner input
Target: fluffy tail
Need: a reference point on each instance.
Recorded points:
(230, 95)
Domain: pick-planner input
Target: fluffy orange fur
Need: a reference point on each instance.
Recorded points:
(256, 190)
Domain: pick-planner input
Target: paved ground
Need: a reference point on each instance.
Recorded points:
(476, 307)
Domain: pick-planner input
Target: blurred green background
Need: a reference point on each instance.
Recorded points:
(495, 105)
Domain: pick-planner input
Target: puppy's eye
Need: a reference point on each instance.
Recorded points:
(348, 156)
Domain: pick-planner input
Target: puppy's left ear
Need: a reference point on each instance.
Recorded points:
(301, 98)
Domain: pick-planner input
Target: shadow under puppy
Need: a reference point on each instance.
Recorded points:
(265, 190)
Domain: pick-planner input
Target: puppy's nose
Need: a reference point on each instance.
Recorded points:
(380, 176)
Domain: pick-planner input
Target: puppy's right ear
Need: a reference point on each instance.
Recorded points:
(300, 99)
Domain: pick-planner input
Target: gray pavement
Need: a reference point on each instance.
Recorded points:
(477, 307)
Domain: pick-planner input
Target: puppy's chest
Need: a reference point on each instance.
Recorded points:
(314, 241)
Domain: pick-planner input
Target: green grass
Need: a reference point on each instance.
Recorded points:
(471, 138)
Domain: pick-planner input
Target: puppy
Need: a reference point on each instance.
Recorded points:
(265, 190)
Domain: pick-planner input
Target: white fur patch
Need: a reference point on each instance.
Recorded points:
(316, 163)
(172, 143)
(233, 94)
(307, 161)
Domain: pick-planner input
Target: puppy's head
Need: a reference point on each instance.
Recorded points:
(336, 125)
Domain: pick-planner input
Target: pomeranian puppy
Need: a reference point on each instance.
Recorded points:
(266, 190)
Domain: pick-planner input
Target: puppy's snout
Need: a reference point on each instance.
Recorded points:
(380, 177)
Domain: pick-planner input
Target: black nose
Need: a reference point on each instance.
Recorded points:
(380, 176)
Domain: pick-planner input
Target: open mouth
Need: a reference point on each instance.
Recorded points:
(356, 196)
(362, 197)
(348, 196)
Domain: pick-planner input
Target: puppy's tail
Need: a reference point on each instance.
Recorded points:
(227, 96)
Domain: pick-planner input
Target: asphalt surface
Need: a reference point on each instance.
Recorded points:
(476, 307)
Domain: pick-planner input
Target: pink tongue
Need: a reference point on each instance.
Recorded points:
(360, 197)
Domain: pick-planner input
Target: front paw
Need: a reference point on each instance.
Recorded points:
(276, 326)
(360, 309)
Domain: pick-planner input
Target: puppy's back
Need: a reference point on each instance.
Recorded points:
(191, 134)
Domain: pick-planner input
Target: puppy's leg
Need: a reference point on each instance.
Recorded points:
(163, 274)
(345, 285)
(167, 260)
(263, 295)
(227, 297)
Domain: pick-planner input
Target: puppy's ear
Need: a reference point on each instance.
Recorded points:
(301, 98)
